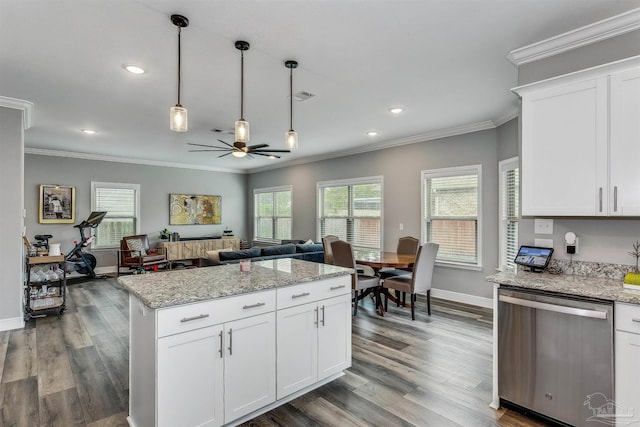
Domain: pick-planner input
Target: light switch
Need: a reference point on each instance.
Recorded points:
(543, 226)
(401, 226)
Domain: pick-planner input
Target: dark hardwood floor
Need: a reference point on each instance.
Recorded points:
(72, 370)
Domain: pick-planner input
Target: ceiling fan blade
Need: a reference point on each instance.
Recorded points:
(257, 146)
(271, 151)
(199, 151)
(201, 145)
(266, 155)
(225, 154)
(227, 144)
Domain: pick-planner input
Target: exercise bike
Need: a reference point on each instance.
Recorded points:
(78, 259)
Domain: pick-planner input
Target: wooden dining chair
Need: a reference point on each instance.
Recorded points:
(406, 246)
(326, 246)
(361, 284)
(419, 282)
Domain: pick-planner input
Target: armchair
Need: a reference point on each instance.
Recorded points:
(135, 253)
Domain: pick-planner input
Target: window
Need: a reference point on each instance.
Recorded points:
(451, 214)
(352, 210)
(509, 212)
(122, 204)
(272, 214)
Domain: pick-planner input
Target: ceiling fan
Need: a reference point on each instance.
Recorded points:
(240, 149)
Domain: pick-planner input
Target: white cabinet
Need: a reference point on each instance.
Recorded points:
(627, 355)
(314, 338)
(581, 142)
(191, 361)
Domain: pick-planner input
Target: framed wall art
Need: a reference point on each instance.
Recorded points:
(57, 204)
(186, 209)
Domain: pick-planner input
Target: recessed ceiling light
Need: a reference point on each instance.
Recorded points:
(88, 131)
(134, 69)
(372, 133)
(396, 110)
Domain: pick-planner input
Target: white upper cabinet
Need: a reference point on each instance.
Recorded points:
(580, 142)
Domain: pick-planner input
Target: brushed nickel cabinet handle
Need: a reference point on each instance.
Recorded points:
(333, 288)
(304, 294)
(230, 342)
(189, 319)
(221, 344)
(316, 322)
(259, 304)
(615, 198)
(600, 198)
(322, 315)
(635, 320)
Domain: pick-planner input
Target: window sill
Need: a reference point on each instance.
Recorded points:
(460, 266)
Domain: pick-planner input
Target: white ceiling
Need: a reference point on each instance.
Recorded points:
(443, 61)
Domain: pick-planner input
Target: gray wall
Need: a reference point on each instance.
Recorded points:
(401, 167)
(156, 183)
(601, 239)
(11, 248)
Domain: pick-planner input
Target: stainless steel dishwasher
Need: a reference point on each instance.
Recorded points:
(554, 351)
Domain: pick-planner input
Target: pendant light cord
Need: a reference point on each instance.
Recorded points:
(242, 85)
(291, 98)
(179, 56)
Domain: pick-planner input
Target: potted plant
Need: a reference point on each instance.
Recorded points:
(632, 279)
(164, 234)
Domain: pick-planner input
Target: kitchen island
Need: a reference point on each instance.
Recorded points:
(214, 346)
(547, 326)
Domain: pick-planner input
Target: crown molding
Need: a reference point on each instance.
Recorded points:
(19, 104)
(103, 158)
(429, 136)
(589, 34)
(508, 116)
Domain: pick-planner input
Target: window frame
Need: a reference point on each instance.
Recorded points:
(449, 172)
(274, 218)
(505, 166)
(116, 185)
(320, 185)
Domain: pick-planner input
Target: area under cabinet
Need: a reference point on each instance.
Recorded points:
(227, 359)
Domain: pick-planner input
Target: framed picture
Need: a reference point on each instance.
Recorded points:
(186, 209)
(57, 204)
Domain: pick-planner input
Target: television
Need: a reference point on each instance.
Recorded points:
(534, 258)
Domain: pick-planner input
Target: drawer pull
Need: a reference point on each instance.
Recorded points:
(333, 288)
(259, 304)
(304, 294)
(635, 320)
(189, 319)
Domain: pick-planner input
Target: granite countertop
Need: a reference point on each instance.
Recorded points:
(166, 289)
(593, 287)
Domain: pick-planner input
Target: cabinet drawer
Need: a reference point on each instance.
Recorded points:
(173, 320)
(309, 292)
(627, 317)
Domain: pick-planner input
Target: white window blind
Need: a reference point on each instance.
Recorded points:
(352, 211)
(451, 207)
(509, 212)
(121, 202)
(272, 219)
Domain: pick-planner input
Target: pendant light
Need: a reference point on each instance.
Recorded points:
(291, 137)
(242, 126)
(178, 120)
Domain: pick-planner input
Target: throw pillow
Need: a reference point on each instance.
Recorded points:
(309, 242)
(214, 255)
(136, 245)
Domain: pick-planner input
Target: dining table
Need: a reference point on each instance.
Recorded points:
(381, 259)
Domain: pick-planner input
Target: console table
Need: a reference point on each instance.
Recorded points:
(195, 249)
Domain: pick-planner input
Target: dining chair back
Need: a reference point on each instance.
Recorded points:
(420, 280)
(407, 245)
(326, 246)
(361, 284)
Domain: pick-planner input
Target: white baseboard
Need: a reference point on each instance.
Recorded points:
(11, 323)
(463, 298)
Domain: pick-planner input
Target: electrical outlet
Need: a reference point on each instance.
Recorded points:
(543, 226)
(401, 226)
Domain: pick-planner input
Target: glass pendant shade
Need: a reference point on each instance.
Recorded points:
(291, 139)
(238, 153)
(242, 131)
(178, 119)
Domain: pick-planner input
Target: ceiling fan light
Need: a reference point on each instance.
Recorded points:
(178, 119)
(291, 139)
(238, 153)
(242, 131)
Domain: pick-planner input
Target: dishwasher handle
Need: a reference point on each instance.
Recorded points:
(574, 311)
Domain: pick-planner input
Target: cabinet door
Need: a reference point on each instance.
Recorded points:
(624, 170)
(249, 365)
(190, 374)
(627, 376)
(297, 365)
(564, 150)
(334, 335)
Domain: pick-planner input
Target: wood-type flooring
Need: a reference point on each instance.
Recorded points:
(72, 370)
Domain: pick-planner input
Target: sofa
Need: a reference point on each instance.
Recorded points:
(304, 251)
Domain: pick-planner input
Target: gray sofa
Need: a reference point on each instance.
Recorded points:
(307, 252)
